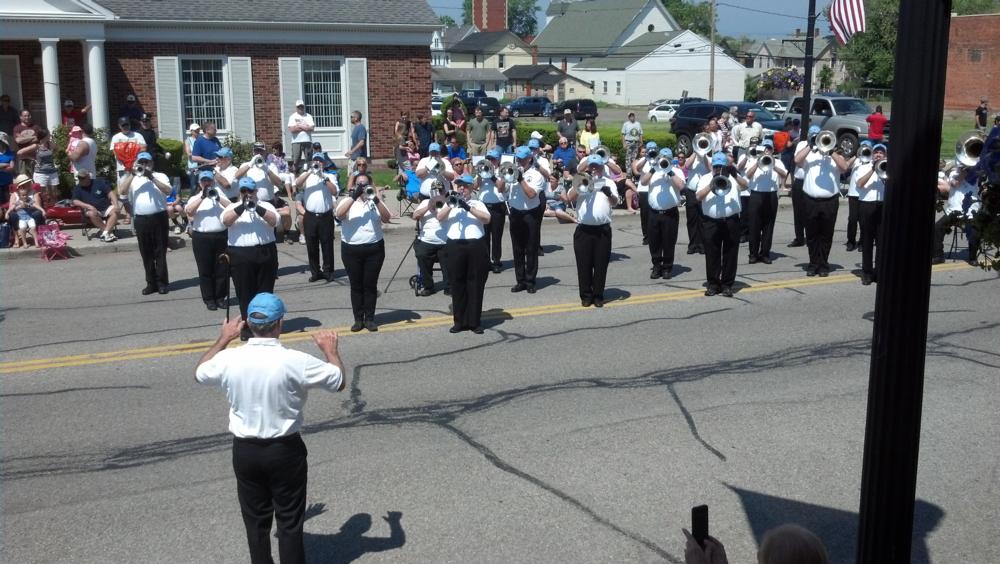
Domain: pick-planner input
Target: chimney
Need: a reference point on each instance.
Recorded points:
(798, 31)
(489, 15)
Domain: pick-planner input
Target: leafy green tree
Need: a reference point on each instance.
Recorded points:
(447, 21)
(870, 57)
(825, 78)
(694, 16)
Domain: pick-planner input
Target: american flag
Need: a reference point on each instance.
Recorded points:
(847, 17)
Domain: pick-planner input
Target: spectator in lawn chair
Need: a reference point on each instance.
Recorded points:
(99, 203)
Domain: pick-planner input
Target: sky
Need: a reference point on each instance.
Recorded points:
(736, 17)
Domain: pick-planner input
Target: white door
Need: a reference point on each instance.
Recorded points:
(10, 80)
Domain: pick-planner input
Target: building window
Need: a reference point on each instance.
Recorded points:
(975, 55)
(321, 90)
(500, 61)
(618, 87)
(203, 91)
(605, 86)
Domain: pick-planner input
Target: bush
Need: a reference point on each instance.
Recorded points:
(610, 137)
(176, 165)
(438, 121)
(242, 150)
(105, 158)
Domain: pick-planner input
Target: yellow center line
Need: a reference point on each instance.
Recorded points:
(109, 357)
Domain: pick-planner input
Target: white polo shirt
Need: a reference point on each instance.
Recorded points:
(425, 184)
(462, 225)
(662, 193)
(822, 177)
(874, 189)
(250, 229)
(265, 188)
(317, 197)
(267, 386)
(852, 184)
(647, 165)
(762, 182)
(146, 198)
(208, 217)
(233, 192)
(488, 193)
(362, 225)
(594, 208)
(518, 199)
(431, 230)
(718, 206)
(695, 173)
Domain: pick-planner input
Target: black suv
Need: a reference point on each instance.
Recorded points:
(582, 109)
(490, 106)
(690, 119)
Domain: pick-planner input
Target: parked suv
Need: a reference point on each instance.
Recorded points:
(469, 97)
(490, 106)
(690, 119)
(528, 105)
(582, 109)
(843, 115)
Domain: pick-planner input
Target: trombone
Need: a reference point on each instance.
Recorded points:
(702, 144)
(968, 149)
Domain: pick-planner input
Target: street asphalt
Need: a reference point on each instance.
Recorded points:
(563, 434)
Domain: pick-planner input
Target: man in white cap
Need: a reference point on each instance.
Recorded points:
(301, 127)
(267, 387)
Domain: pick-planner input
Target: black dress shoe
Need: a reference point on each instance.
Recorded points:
(645, 241)
(598, 302)
(370, 325)
(866, 279)
(162, 290)
(497, 269)
(316, 278)
(711, 291)
(447, 291)
(222, 302)
(516, 288)
(797, 243)
(586, 303)
(822, 272)
(753, 260)
(811, 271)
(477, 330)
(211, 306)
(148, 290)
(541, 252)
(655, 273)
(851, 246)
(531, 289)
(330, 277)
(727, 291)
(358, 325)
(692, 250)
(455, 329)
(425, 292)
(766, 260)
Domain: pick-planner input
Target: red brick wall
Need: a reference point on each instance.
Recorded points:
(399, 78)
(967, 80)
(495, 12)
(71, 79)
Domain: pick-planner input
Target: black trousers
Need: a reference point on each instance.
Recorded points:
(693, 218)
(468, 267)
(524, 238)
(744, 215)
(212, 276)
(318, 230)
(722, 250)
(540, 214)
(592, 247)
(762, 210)
(494, 231)
(870, 218)
(662, 237)
(151, 233)
(363, 264)
(644, 213)
(852, 219)
(271, 477)
(254, 270)
(799, 209)
(940, 231)
(427, 254)
(821, 217)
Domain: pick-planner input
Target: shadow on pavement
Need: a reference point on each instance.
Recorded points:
(350, 543)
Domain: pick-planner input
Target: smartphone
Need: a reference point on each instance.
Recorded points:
(699, 524)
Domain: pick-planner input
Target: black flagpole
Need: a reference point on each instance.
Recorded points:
(899, 341)
(807, 86)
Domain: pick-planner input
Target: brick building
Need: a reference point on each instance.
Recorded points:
(240, 65)
(973, 62)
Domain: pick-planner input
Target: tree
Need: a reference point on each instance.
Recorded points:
(521, 20)
(447, 21)
(696, 17)
(825, 78)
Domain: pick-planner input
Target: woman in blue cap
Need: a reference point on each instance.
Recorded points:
(253, 255)
(209, 239)
(762, 205)
(719, 194)
(821, 188)
(665, 182)
(493, 192)
(524, 224)
(592, 238)
(854, 164)
(464, 221)
(148, 190)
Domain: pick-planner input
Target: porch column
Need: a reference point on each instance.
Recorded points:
(50, 79)
(97, 83)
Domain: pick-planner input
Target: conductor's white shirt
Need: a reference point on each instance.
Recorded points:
(267, 386)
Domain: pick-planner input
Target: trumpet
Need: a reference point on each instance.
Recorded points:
(651, 154)
(258, 161)
(702, 144)
(485, 169)
(764, 163)
(603, 152)
(865, 154)
(138, 169)
(882, 169)
(508, 172)
(826, 142)
(316, 168)
(968, 149)
(369, 193)
(436, 187)
(720, 184)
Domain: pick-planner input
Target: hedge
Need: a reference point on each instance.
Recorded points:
(610, 137)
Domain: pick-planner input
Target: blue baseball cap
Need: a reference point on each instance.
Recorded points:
(522, 152)
(534, 144)
(206, 174)
(813, 130)
(265, 308)
(768, 143)
(595, 160)
(652, 146)
(224, 152)
(493, 154)
(719, 159)
(465, 179)
(880, 147)
(434, 147)
(144, 156)
(247, 183)
(666, 153)
(319, 157)
(867, 142)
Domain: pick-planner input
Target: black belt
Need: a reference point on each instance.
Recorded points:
(319, 214)
(651, 210)
(721, 218)
(820, 199)
(465, 241)
(260, 441)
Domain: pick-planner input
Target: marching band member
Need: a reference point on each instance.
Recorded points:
(362, 248)
(268, 180)
(320, 192)
(253, 255)
(697, 166)
(964, 201)
(464, 220)
(640, 166)
(745, 196)
(524, 225)
(147, 191)
(871, 192)
(545, 167)
(434, 167)
(430, 243)
(493, 193)
(762, 206)
(592, 238)
(225, 173)
(209, 239)
(719, 194)
(854, 165)
(822, 191)
(665, 182)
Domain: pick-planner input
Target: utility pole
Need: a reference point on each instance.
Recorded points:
(807, 86)
(711, 58)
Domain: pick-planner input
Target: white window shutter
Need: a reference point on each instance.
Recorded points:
(241, 97)
(290, 77)
(357, 96)
(169, 116)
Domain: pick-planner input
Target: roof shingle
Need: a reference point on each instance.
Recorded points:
(358, 12)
